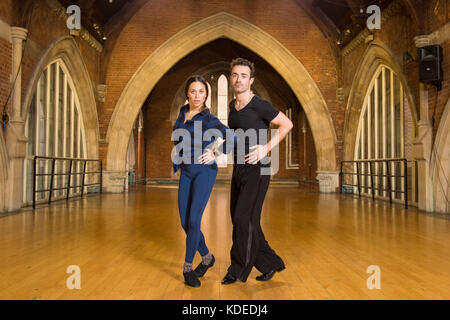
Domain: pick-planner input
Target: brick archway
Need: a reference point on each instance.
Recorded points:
(187, 40)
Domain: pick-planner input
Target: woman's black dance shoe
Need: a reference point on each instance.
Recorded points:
(201, 268)
(191, 279)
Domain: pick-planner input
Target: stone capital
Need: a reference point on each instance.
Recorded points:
(340, 95)
(422, 41)
(18, 34)
(439, 36)
(101, 90)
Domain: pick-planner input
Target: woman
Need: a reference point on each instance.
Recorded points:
(197, 177)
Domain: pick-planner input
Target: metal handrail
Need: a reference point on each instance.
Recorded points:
(372, 174)
(69, 174)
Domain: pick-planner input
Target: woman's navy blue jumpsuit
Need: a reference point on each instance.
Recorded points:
(196, 179)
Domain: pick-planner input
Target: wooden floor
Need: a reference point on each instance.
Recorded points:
(131, 246)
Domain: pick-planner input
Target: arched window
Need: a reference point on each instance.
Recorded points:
(381, 134)
(54, 128)
(222, 99)
(208, 100)
(222, 114)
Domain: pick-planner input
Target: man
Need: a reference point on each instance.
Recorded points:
(249, 185)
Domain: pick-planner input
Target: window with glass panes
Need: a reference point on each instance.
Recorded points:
(381, 135)
(54, 128)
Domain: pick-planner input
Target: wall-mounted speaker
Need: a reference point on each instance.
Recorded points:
(430, 65)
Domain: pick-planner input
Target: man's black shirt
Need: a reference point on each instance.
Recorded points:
(257, 115)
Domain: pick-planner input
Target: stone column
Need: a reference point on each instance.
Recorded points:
(15, 139)
(423, 142)
(140, 154)
(18, 35)
(113, 180)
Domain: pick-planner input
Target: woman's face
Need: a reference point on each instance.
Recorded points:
(196, 94)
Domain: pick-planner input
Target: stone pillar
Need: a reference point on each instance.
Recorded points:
(140, 153)
(18, 35)
(113, 180)
(422, 41)
(422, 153)
(423, 142)
(15, 139)
(328, 181)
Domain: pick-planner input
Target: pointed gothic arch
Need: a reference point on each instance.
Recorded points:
(66, 50)
(375, 56)
(187, 40)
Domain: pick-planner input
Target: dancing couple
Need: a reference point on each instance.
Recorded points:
(195, 157)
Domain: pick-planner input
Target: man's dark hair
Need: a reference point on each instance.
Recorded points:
(243, 62)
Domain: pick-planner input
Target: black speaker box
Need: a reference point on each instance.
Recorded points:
(430, 65)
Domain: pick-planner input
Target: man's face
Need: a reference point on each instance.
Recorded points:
(240, 79)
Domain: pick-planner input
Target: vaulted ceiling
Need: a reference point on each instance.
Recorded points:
(339, 20)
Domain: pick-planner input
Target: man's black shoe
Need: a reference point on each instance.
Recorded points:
(201, 268)
(229, 279)
(268, 275)
(191, 279)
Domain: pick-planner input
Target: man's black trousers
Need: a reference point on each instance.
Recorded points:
(250, 248)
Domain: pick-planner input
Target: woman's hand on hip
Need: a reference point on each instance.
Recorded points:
(206, 157)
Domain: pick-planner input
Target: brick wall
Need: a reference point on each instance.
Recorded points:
(293, 28)
(5, 72)
(5, 56)
(146, 31)
(437, 14)
(6, 11)
(45, 28)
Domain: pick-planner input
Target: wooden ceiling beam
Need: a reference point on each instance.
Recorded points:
(113, 27)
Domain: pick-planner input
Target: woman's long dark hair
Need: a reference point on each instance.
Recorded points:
(196, 78)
